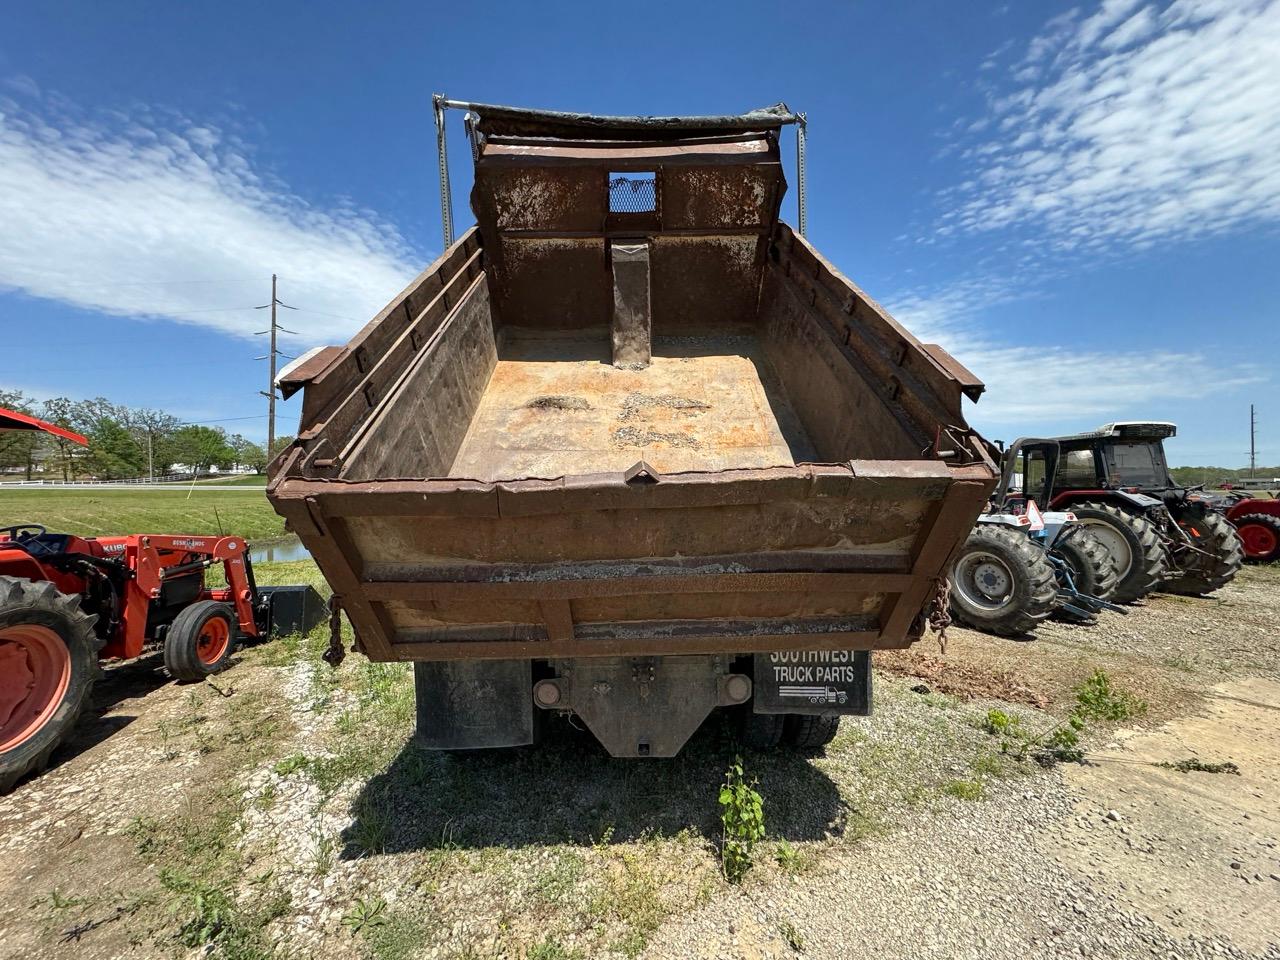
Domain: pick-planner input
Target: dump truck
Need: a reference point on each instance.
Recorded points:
(632, 450)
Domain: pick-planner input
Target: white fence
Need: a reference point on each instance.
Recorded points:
(167, 478)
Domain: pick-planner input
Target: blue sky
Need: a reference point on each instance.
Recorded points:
(1080, 201)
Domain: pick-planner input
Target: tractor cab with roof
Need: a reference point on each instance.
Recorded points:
(1116, 479)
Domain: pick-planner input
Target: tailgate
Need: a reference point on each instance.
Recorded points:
(812, 557)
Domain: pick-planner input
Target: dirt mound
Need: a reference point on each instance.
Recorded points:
(959, 679)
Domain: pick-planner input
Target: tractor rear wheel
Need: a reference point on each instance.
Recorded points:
(1133, 543)
(200, 640)
(1093, 569)
(1220, 562)
(1002, 582)
(48, 665)
(1260, 536)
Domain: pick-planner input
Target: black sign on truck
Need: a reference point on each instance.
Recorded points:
(813, 682)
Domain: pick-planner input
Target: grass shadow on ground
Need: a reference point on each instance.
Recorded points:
(568, 790)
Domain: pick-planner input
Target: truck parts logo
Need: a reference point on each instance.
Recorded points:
(814, 694)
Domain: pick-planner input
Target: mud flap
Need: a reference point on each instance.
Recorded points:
(474, 704)
(816, 682)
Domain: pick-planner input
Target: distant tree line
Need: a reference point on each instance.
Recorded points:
(1213, 476)
(124, 442)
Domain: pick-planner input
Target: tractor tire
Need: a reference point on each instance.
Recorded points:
(1260, 536)
(1133, 543)
(200, 641)
(1214, 534)
(760, 731)
(48, 665)
(1002, 583)
(1092, 567)
(806, 732)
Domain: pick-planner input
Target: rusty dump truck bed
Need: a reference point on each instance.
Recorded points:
(631, 413)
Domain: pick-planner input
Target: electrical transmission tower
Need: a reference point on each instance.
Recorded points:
(270, 392)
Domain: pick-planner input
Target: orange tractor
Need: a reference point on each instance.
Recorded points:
(67, 601)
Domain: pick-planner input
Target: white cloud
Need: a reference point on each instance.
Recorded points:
(1031, 386)
(1137, 124)
(135, 216)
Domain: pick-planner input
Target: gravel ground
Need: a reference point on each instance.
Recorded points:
(973, 881)
(285, 813)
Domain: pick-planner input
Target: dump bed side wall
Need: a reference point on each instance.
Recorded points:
(342, 396)
(418, 428)
(919, 383)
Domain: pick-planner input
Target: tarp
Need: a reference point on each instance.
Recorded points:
(519, 122)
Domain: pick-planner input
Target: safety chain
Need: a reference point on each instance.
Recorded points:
(333, 656)
(940, 611)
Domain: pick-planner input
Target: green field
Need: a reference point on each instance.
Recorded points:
(105, 513)
(247, 480)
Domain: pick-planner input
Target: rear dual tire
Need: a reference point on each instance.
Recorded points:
(768, 731)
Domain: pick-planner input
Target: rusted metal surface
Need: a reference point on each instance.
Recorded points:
(554, 405)
(518, 121)
(478, 480)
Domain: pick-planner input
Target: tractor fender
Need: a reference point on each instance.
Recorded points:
(1137, 501)
(1253, 505)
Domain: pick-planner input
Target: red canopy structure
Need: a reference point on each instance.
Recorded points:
(12, 420)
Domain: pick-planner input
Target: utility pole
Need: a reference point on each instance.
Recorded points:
(270, 392)
(1253, 447)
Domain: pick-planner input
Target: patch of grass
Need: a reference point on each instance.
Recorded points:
(57, 901)
(1099, 700)
(211, 918)
(558, 884)
(630, 895)
(552, 949)
(365, 915)
(987, 765)
(400, 938)
(792, 937)
(201, 900)
(964, 789)
(791, 858)
(103, 513)
(1195, 765)
(291, 764)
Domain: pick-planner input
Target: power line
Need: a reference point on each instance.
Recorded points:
(196, 423)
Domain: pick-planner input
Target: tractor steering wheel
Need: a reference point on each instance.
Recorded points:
(15, 532)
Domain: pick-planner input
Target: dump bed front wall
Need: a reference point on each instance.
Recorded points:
(544, 213)
(821, 557)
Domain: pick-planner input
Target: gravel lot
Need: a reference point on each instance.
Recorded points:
(285, 813)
